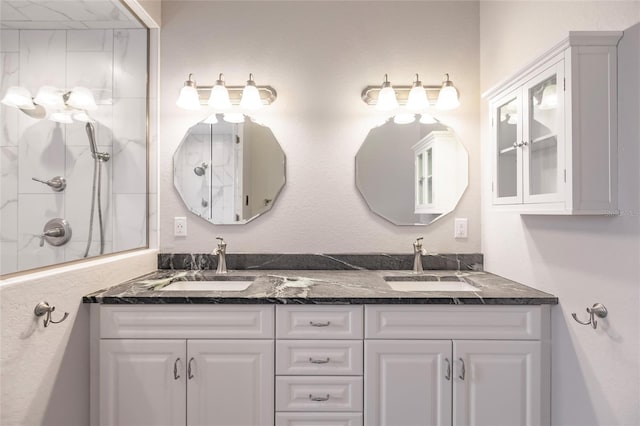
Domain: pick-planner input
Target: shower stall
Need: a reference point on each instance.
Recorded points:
(83, 163)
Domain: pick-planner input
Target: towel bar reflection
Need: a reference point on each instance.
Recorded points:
(597, 310)
(44, 309)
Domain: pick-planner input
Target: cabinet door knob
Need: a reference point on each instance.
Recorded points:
(189, 371)
(448, 375)
(462, 371)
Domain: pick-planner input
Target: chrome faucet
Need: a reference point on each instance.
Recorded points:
(221, 252)
(418, 252)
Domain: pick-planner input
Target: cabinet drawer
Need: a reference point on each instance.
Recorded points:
(318, 419)
(186, 322)
(319, 357)
(319, 322)
(319, 394)
(458, 322)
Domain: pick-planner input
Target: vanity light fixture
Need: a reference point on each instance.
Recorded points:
(188, 98)
(404, 118)
(387, 99)
(222, 97)
(413, 97)
(219, 97)
(53, 103)
(448, 96)
(428, 119)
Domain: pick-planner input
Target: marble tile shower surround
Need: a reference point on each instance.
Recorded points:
(340, 262)
(110, 63)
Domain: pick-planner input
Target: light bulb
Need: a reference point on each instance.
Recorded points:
(63, 117)
(387, 97)
(251, 95)
(549, 97)
(219, 98)
(189, 98)
(82, 98)
(404, 118)
(417, 97)
(50, 97)
(18, 97)
(448, 96)
(233, 117)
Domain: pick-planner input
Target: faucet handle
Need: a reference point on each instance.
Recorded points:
(221, 243)
(418, 243)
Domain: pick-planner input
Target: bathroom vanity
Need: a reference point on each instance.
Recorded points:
(321, 348)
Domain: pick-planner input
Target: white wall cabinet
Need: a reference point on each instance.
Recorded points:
(554, 130)
(436, 181)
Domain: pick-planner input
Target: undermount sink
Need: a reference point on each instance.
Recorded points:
(218, 283)
(428, 283)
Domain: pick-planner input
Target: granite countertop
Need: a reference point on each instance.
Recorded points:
(322, 287)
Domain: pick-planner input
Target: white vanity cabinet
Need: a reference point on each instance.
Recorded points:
(319, 365)
(435, 179)
(183, 365)
(462, 365)
(554, 130)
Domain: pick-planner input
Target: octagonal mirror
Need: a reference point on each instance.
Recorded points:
(412, 174)
(229, 173)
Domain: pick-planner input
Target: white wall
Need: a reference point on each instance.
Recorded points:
(583, 260)
(319, 56)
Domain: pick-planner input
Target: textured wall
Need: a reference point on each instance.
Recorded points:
(319, 56)
(583, 260)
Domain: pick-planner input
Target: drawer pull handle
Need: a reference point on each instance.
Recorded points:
(448, 375)
(319, 361)
(319, 398)
(176, 376)
(320, 324)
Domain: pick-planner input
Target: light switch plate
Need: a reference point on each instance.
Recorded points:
(460, 227)
(180, 226)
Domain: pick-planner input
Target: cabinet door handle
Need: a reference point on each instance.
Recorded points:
(463, 371)
(189, 374)
(319, 398)
(448, 375)
(320, 324)
(319, 361)
(176, 375)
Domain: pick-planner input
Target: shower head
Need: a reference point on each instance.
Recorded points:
(200, 170)
(91, 133)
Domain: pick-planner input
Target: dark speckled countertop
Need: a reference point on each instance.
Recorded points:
(322, 287)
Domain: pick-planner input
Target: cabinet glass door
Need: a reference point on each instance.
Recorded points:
(508, 155)
(544, 130)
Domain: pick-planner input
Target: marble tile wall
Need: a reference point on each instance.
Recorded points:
(112, 63)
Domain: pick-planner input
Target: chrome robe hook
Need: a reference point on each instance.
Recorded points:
(597, 310)
(44, 309)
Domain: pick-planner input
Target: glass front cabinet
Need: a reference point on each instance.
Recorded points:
(554, 135)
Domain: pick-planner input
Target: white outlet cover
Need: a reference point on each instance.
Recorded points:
(461, 227)
(180, 226)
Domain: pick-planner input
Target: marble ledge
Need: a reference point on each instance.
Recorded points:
(333, 262)
(321, 287)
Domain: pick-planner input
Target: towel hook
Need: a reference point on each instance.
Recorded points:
(597, 310)
(43, 308)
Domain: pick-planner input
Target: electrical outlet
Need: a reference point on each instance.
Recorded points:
(180, 226)
(460, 227)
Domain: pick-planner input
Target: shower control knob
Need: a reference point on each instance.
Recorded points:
(56, 232)
(57, 183)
